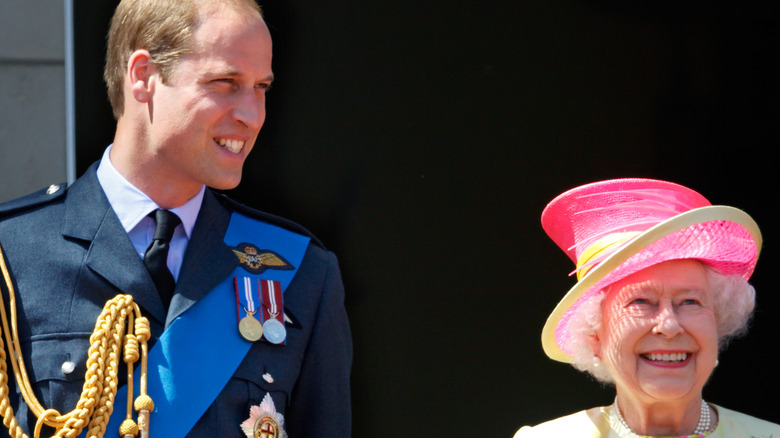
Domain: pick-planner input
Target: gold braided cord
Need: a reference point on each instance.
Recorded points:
(107, 342)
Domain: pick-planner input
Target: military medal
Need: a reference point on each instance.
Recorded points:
(274, 331)
(272, 306)
(249, 325)
(264, 421)
(250, 328)
(260, 309)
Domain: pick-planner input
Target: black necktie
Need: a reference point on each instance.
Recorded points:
(156, 257)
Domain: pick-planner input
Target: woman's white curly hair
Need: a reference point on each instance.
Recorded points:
(734, 299)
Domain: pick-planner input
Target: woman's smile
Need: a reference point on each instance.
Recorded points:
(667, 359)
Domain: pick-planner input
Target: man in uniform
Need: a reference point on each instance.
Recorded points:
(248, 331)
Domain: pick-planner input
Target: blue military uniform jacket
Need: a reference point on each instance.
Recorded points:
(68, 255)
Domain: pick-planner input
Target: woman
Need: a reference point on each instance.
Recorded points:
(662, 286)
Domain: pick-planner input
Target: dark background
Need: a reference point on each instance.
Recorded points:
(421, 140)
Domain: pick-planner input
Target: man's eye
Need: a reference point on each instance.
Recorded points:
(222, 81)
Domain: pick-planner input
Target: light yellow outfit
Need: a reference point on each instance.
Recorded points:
(598, 423)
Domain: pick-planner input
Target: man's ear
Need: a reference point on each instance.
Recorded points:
(140, 72)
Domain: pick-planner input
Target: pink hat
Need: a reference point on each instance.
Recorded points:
(612, 229)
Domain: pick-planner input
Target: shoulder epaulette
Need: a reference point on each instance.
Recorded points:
(43, 196)
(267, 217)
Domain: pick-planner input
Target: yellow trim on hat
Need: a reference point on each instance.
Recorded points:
(605, 244)
(643, 240)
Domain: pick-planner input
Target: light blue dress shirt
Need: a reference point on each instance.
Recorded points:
(132, 206)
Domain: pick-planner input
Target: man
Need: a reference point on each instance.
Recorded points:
(187, 82)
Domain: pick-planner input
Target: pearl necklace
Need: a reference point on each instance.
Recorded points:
(703, 427)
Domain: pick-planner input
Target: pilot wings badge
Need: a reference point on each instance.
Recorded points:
(264, 421)
(256, 260)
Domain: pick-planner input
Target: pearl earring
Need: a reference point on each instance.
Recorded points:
(596, 361)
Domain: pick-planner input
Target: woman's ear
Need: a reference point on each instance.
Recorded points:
(140, 71)
(595, 344)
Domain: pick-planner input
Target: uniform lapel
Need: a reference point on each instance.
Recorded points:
(111, 255)
(208, 260)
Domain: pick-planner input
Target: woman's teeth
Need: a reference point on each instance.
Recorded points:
(666, 357)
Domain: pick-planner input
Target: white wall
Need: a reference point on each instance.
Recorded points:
(32, 96)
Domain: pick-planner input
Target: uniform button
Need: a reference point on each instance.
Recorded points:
(54, 188)
(268, 378)
(68, 367)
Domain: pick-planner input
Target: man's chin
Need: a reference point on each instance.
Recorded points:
(226, 183)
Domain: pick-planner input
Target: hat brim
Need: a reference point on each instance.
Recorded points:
(636, 245)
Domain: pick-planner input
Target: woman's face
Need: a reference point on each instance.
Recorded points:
(658, 337)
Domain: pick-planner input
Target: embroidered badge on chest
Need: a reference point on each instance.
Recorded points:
(264, 421)
(256, 260)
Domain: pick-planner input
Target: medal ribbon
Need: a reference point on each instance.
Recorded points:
(273, 312)
(182, 391)
(245, 297)
(272, 301)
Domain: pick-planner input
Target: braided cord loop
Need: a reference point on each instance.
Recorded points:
(109, 343)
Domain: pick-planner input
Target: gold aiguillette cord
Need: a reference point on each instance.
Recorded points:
(100, 381)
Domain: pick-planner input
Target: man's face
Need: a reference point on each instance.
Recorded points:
(205, 120)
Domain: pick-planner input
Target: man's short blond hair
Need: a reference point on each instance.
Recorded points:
(164, 28)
